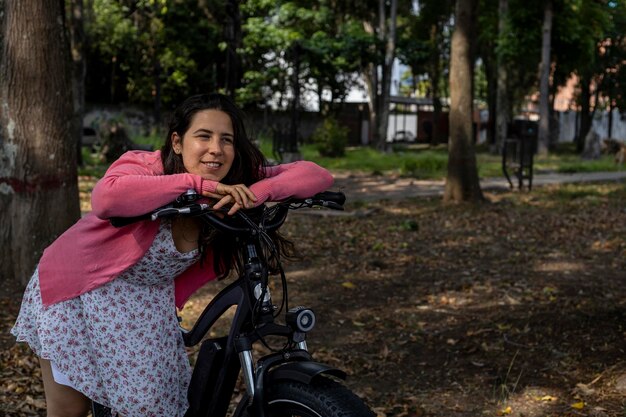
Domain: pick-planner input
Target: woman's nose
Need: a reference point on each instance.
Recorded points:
(215, 147)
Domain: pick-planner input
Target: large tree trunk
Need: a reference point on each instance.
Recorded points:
(38, 181)
(544, 82)
(502, 95)
(462, 180)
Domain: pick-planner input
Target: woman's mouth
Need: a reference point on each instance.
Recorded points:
(212, 165)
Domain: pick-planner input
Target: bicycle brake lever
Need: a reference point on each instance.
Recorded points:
(168, 211)
(323, 203)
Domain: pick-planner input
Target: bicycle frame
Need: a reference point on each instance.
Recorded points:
(221, 359)
(212, 387)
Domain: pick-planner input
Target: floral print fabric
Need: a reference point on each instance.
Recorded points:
(119, 344)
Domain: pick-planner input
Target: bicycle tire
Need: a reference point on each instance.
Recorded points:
(323, 397)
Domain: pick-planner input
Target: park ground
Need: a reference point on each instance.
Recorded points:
(512, 307)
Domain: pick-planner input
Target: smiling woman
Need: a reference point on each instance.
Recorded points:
(208, 147)
(97, 288)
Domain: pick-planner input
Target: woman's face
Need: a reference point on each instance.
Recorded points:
(208, 146)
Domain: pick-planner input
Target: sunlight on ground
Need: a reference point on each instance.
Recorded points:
(534, 401)
(559, 266)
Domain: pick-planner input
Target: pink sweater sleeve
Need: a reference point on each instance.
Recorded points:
(135, 184)
(299, 179)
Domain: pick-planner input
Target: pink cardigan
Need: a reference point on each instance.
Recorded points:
(92, 252)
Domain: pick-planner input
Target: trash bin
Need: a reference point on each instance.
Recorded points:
(518, 151)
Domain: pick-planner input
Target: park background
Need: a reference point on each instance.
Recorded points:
(507, 302)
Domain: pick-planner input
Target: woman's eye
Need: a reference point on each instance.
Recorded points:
(227, 139)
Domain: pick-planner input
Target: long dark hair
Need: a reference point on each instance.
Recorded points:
(247, 169)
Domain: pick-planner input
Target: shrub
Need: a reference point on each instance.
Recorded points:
(330, 138)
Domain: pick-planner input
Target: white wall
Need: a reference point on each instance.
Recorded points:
(600, 125)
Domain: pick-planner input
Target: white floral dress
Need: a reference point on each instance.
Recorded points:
(119, 344)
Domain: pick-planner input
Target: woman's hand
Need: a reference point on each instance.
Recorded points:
(238, 195)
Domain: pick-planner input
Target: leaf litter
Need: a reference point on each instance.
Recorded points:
(514, 307)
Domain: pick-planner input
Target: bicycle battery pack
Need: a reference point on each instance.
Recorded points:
(205, 372)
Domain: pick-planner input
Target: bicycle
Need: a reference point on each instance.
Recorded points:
(286, 382)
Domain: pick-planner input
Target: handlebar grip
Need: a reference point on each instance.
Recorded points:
(332, 205)
(332, 196)
(125, 221)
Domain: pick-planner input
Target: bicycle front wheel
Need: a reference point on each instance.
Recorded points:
(322, 398)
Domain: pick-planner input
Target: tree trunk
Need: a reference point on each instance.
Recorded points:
(585, 114)
(462, 180)
(371, 81)
(544, 82)
(492, 92)
(233, 38)
(379, 87)
(77, 46)
(502, 94)
(390, 54)
(38, 179)
(610, 121)
(435, 76)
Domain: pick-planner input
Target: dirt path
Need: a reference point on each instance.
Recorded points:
(367, 187)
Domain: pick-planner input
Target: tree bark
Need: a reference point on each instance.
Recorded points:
(462, 180)
(502, 95)
(544, 82)
(38, 178)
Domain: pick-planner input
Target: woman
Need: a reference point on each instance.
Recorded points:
(99, 310)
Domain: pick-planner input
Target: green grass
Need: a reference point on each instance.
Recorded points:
(423, 162)
(415, 161)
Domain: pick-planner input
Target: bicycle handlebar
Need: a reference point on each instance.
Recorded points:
(184, 205)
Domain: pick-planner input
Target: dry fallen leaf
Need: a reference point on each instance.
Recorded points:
(547, 398)
(505, 411)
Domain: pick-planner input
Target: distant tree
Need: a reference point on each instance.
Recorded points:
(424, 45)
(76, 27)
(462, 179)
(331, 47)
(544, 81)
(38, 177)
(503, 108)
(381, 23)
(155, 52)
(509, 42)
(600, 55)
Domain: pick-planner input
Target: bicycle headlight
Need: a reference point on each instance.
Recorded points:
(300, 318)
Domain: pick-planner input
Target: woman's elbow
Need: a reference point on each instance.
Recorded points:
(101, 202)
(325, 178)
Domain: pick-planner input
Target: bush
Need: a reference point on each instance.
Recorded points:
(331, 139)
